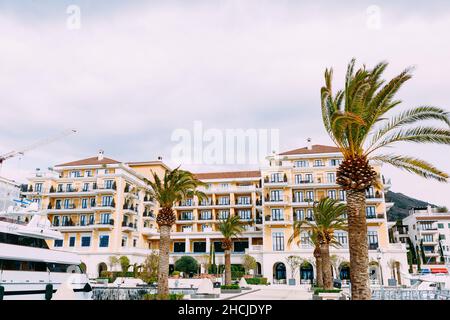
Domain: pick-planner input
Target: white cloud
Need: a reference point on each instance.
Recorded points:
(131, 75)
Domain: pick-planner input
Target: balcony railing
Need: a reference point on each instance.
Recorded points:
(82, 224)
(129, 225)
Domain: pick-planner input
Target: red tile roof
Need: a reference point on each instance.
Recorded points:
(317, 148)
(88, 162)
(228, 175)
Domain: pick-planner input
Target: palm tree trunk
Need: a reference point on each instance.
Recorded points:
(163, 274)
(359, 254)
(319, 272)
(227, 267)
(326, 267)
(397, 266)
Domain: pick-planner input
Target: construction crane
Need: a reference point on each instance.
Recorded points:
(39, 143)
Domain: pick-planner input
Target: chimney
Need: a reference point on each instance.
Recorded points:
(100, 155)
(308, 144)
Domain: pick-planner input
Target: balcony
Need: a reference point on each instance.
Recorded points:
(206, 203)
(69, 209)
(245, 218)
(185, 219)
(75, 192)
(242, 204)
(302, 202)
(205, 218)
(311, 183)
(275, 183)
(284, 220)
(103, 189)
(150, 231)
(230, 189)
(71, 226)
(129, 209)
(148, 214)
(375, 218)
(184, 204)
(104, 207)
(128, 226)
(283, 201)
(374, 199)
(149, 201)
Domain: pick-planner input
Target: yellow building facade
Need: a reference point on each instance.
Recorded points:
(104, 208)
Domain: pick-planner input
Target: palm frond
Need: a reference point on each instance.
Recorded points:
(408, 117)
(414, 165)
(418, 135)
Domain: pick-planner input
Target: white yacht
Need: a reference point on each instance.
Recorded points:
(28, 268)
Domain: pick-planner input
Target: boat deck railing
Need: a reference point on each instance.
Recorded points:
(12, 220)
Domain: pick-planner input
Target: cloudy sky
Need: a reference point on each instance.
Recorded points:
(135, 71)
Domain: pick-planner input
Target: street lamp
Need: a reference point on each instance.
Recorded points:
(379, 256)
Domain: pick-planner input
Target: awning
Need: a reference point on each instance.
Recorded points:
(439, 270)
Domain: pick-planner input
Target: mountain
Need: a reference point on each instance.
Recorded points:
(402, 204)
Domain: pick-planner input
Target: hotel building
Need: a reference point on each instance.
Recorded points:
(103, 208)
(429, 231)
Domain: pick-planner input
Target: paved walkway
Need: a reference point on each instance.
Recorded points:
(276, 293)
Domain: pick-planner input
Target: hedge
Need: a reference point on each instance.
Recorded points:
(230, 286)
(155, 296)
(262, 281)
(320, 290)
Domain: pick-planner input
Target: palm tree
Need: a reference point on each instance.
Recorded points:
(356, 121)
(232, 227)
(314, 239)
(175, 186)
(328, 216)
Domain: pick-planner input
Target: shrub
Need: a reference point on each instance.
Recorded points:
(186, 264)
(124, 263)
(230, 286)
(155, 296)
(111, 276)
(262, 281)
(321, 290)
(176, 273)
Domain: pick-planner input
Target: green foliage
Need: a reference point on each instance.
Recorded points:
(294, 263)
(418, 258)
(171, 296)
(186, 264)
(249, 263)
(176, 273)
(232, 227)
(175, 186)
(124, 263)
(328, 216)
(113, 275)
(321, 290)
(230, 287)
(262, 281)
(356, 119)
(149, 269)
(411, 251)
